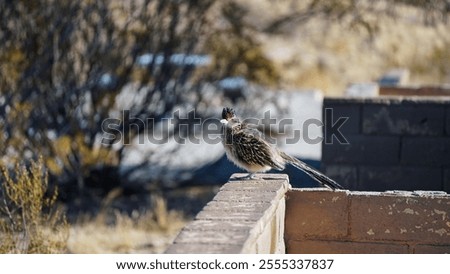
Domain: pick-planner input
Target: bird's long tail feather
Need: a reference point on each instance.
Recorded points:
(313, 173)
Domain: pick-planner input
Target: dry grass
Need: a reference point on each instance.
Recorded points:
(148, 232)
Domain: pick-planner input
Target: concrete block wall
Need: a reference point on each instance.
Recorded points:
(268, 216)
(394, 143)
(246, 216)
(323, 221)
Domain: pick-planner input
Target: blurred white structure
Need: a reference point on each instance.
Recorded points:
(362, 90)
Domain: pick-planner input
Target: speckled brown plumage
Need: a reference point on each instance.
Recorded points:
(246, 147)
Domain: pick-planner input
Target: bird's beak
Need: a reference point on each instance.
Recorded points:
(224, 121)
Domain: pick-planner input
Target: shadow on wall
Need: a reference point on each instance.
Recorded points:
(395, 143)
(220, 171)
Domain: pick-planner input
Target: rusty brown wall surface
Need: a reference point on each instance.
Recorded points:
(323, 221)
(415, 91)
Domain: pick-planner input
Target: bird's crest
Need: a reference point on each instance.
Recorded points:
(228, 113)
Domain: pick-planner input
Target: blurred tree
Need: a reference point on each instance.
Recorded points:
(357, 13)
(63, 64)
(236, 49)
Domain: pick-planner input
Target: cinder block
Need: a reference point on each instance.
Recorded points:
(240, 177)
(400, 217)
(229, 237)
(406, 118)
(381, 178)
(231, 225)
(266, 236)
(447, 121)
(363, 150)
(228, 215)
(316, 213)
(269, 184)
(264, 182)
(344, 247)
(345, 175)
(425, 151)
(245, 216)
(277, 227)
(446, 182)
(246, 196)
(432, 249)
(203, 249)
(350, 112)
(230, 206)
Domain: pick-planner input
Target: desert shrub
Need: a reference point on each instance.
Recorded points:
(30, 221)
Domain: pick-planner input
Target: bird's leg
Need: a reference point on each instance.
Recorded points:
(250, 176)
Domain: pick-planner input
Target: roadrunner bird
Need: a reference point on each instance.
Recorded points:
(247, 148)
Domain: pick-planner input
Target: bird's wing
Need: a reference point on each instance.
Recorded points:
(251, 147)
